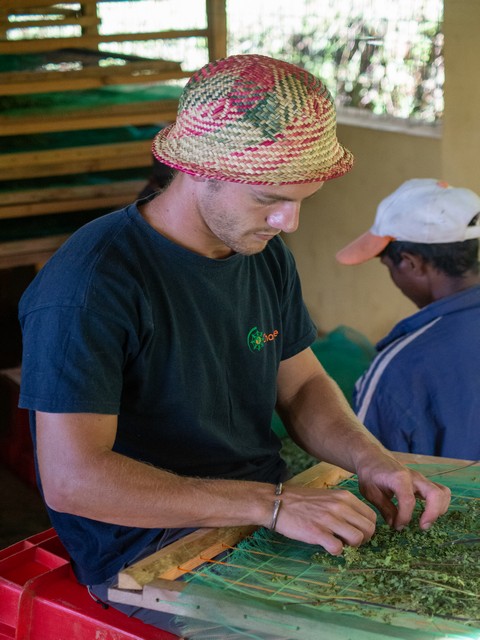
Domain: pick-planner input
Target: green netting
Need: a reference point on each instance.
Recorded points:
(294, 590)
(67, 101)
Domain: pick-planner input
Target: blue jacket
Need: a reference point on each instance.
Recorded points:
(421, 394)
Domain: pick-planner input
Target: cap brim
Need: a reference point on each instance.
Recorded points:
(365, 247)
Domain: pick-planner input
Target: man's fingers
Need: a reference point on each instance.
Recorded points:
(437, 500)
(384, 504)
(406, 486)
(331, 518)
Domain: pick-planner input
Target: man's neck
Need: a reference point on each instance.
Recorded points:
(447, 285)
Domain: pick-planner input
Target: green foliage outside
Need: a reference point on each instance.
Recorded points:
(384, 62)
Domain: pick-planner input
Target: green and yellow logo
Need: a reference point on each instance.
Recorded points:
(257, 339)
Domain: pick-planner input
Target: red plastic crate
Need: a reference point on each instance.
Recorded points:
(40, 599)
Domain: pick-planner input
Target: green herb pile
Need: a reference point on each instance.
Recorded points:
(432, 573)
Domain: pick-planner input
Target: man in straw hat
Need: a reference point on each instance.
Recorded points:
(159, 339)
(420, 394)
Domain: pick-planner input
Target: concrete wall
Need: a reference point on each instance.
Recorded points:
(461, 137)
(363, 296)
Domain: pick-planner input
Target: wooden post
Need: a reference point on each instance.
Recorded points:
(217, 28)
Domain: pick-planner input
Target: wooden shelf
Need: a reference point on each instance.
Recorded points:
(76, 64)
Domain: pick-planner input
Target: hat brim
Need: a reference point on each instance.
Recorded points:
(243, 172)
(365, 247)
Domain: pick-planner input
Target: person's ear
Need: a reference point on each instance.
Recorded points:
(412, 264)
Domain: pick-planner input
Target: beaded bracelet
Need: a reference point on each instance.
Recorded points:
(276, 506)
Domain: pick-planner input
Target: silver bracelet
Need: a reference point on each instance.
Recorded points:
(276, 506)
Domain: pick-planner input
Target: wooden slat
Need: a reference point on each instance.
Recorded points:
(89, 41)
(75, 160)
(90, 77)
(129, 68)
(19, 204)
(80, 82)
(72, 20)
(68, 206)
(13, 6)
(39, 196)
(157, 112)
(28, 159)
(32, 251)
(220, 607)
(90, 165)
(45, 11)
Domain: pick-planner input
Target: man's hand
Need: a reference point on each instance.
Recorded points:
(331, 518)
(384, 478)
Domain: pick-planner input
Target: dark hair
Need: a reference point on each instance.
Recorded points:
(453, 258)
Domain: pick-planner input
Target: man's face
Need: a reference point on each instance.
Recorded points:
(243, 218)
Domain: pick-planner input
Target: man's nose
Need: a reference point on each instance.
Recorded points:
(286, 217)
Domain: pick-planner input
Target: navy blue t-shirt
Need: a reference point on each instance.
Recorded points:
(184, 349)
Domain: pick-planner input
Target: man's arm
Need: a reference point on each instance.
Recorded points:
(319, 419)
(82, 475)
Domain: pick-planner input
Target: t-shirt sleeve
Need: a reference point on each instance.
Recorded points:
(72, 361)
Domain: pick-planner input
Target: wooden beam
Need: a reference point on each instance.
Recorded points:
(17, 78)
(80, 83)
(39, 196)
(45, 11)
(18, 204)
(38, 45)
(92, 158)
(72, 20)
(227, 609)
(32, 251)
(157, 112)
(89, 9)
(90, 77)
(217, 28)
(13, 6)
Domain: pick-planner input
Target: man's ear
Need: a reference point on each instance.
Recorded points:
(413, 264)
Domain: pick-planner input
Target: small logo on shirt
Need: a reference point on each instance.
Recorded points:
(257, 339)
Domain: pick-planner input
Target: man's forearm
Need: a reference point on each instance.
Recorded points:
(116, 489)
(321, 421)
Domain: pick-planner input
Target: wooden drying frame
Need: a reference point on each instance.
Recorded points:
(151, 582)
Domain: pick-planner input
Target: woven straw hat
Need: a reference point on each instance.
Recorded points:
(256, 120)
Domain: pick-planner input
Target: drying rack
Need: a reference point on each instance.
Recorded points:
(163, 581)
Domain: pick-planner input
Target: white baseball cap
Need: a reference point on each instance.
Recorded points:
(421, 210)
